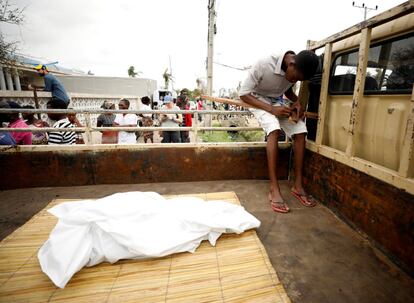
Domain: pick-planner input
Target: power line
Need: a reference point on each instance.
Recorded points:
(233, 67)
(366, 8)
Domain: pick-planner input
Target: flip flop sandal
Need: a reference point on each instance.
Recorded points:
(302, 198)
(279, 207)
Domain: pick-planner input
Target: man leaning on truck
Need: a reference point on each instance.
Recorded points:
(267, 80)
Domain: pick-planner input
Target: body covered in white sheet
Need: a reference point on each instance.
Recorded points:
(134, 225)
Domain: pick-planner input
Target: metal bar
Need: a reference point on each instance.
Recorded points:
(101, 111)
(377, 171)
(244, 104)
(43, 129)
(119, 128)
(358, 96)
(324, 94)
(247, 128)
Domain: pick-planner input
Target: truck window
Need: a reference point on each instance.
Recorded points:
(390, 68)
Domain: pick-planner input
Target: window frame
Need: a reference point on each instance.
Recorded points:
(356, 50)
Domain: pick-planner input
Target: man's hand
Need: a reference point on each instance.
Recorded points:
(300, 109)
(281, 111)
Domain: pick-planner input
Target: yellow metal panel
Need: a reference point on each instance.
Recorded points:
(380, 135)
(337, 121)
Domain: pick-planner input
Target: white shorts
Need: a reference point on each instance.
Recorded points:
(270, 122)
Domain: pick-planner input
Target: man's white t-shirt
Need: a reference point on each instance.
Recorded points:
(146, 107)
(128, 119)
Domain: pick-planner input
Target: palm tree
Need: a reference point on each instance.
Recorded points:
(167, 78)
(132, 73)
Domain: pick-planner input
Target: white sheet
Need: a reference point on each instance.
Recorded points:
(133, 225)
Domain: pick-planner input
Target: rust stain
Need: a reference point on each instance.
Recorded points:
(136, 166)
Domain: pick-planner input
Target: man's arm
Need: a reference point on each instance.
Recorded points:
(253, 80)
(125, 125)
(296, 104)
(291, 95)
(35, 87)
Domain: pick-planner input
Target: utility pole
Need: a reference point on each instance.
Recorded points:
(211, 33)
(366, 8)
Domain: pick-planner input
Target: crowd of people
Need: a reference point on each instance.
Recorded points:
(61, 100)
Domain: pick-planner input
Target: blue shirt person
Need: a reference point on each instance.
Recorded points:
(6, 139)
(53, 85)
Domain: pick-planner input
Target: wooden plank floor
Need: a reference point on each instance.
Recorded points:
(237, 269)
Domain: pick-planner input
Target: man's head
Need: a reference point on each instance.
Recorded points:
(14, 116)
(300, 67)
(146, 100)
(71, 116)
(28, 116)
(184, 92)
(56, 104)
(168, 101)
(41, 70)
(108, 105)
(123, 104)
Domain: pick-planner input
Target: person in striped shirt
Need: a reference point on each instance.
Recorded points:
(62, 121)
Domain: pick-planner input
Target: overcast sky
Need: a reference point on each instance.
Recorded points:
(107, 37)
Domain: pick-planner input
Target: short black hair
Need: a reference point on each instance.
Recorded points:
(146, 100)
(4, 117)
(126, 101)
(307, 63)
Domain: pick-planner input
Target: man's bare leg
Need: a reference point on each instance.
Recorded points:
(272, 150)
(299, 154)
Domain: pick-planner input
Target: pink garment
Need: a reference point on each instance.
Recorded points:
(199, 105)
(22, 138)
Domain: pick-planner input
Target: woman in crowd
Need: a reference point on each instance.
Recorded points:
(38, 138)
(170, 120)
(21, 138)
(147, 119)
(107, 120)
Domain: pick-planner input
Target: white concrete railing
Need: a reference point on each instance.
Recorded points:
(89, 128)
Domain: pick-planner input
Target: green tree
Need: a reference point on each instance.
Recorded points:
(167, 78)
(132, 73)
(12, 15)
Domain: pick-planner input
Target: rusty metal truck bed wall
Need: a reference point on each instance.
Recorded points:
(380, 210)
(145, 165)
